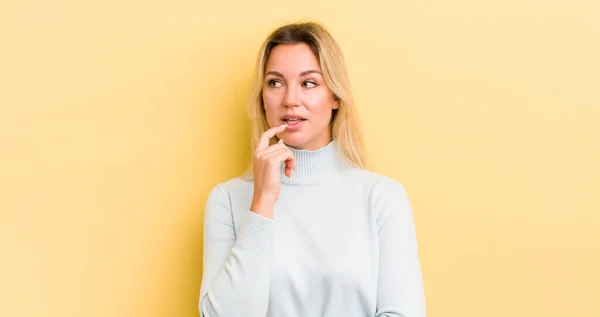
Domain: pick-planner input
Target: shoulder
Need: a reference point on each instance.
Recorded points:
(385, 194)
(234, 185)
(383, 186)
(232, 191)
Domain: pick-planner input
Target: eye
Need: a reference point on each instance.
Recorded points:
(309, 84)
(274, 83)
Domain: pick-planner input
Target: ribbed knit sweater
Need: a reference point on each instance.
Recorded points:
(342, 243)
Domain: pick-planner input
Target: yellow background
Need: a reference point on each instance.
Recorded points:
(117, 117)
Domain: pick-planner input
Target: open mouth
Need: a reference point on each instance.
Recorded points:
(292, 121)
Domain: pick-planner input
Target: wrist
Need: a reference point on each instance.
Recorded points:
(262, 207)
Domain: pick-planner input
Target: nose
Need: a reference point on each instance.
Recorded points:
(291, 97)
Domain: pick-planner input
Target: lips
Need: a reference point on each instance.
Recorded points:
(291, 119)
(294, 122)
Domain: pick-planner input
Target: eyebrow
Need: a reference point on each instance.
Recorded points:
(304, 73)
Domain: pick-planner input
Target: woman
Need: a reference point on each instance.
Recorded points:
(311, 232)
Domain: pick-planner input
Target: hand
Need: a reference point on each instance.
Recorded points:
(266, 167)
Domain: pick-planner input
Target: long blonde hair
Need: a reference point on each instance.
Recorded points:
(345, 126)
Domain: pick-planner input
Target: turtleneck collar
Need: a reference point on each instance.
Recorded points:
(314, 166)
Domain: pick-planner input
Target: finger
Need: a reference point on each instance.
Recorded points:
(291, 164)
(274, 152)
(289, 167)
(288, 172)
(263, 143)
(283, 155)
(270, 149)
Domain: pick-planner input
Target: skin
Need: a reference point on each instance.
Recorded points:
(293, 84)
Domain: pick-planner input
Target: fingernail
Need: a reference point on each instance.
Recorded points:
(280, 141)
(283, 125)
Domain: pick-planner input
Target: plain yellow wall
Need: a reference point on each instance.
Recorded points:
(117, 117)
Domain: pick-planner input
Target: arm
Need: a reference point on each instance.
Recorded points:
(400, 290)
(236, 272)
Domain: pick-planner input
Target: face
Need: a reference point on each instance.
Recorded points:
(295, 93)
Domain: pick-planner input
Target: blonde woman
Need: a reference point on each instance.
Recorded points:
(310, 231)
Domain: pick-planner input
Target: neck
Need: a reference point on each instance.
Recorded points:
(314, 166)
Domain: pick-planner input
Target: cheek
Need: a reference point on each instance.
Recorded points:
(320, 101)
(271, 101)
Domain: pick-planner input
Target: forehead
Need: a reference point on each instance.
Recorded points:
(292, 59)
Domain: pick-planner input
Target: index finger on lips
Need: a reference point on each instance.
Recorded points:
(263, 143)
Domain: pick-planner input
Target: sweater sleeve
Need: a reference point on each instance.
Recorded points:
(400, 291)
(236, 272)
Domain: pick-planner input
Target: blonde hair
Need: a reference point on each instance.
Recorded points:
(345, 126)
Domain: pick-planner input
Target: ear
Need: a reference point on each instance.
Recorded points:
(336, 103)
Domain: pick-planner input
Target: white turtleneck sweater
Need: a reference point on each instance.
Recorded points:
(341, 243)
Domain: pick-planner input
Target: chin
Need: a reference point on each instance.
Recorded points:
(294, 141)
